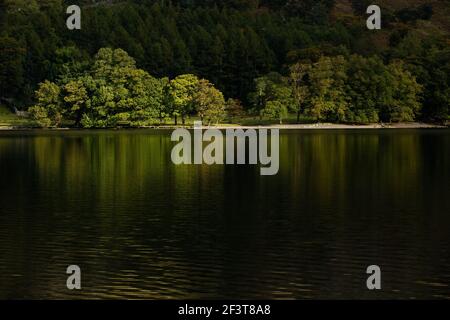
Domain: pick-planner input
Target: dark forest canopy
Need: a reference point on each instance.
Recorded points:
(231, 43)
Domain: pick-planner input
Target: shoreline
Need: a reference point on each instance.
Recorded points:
(334, 126)
(311, 126)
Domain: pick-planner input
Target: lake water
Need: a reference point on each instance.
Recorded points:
(140, 227)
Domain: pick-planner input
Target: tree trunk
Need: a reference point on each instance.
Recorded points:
(78, 120)
(176, 120)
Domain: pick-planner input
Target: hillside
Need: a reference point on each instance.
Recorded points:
(246, 49)
(399, 15)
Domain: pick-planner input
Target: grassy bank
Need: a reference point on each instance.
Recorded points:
(10, 121)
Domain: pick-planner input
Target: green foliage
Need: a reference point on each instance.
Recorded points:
(47, 112)
(111, 92)
(357, 90)
(76, 98)
(234, 108)
(229, 47)
(209, 102)
(181, 95)
(299, 82)
(368, 88)
(404, 103)
(231, 43)
(429, 61)
(12, 56)
(70, 63)
(273, 97)
(328, 100)
(275, 110)
(272, 87)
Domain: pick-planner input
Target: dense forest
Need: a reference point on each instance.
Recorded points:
(147, 61)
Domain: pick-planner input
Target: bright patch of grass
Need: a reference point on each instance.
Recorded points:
(9, 119)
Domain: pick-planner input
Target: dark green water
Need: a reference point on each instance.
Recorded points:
(140, 227)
